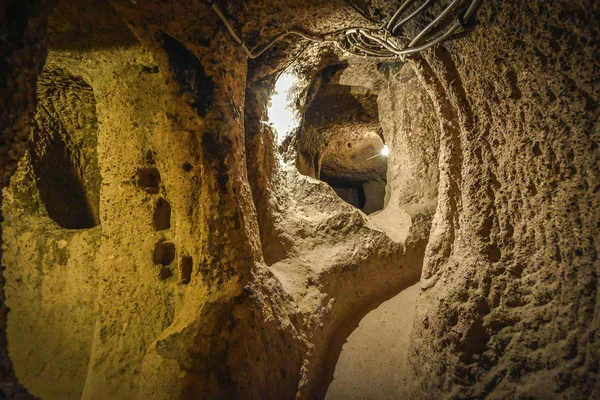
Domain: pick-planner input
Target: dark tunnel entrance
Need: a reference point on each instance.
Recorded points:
(63, 148)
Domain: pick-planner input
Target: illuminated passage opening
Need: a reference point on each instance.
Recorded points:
(341, 142)
(282, 113)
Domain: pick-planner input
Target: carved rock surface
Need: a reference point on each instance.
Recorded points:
(160, 240)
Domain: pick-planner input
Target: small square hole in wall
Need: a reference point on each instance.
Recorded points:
(164, 253)
(186, 266)
(162, 215)
(165, 273)
(149, 179)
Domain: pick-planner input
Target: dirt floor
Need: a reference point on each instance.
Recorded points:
(373, 358)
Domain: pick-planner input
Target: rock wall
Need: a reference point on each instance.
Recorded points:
(212, 268)
(51, 270)
(23, 46)
(508, 307)
(166, 132)
(411, 130)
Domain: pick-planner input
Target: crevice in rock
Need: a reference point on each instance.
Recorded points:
(165, 273)
(185, 269)
(189, 73)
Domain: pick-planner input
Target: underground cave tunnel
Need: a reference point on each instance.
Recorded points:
(341, 142)
(292, 199)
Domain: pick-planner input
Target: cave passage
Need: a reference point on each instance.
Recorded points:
(291, 199)
(342, 142)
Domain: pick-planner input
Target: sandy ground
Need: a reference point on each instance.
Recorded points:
(371, 362)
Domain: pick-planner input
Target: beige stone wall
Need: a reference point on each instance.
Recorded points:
(411, 130)
(129, 300)
(508, 305)
(250, 286)
(23, 45)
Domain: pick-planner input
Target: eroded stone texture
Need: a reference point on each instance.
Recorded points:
(411, 129)
(213, 268)
(509, 288)
(23, 48)
(341, 140)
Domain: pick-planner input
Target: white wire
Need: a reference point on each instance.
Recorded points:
(365, 42)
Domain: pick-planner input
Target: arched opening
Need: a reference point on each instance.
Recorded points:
(342, 142)
(63, 148)
(372, 357)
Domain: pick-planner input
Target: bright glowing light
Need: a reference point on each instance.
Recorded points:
(385, 151)
(282, 115)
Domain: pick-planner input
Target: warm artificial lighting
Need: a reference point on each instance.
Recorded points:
(385, 151)
(282, 115)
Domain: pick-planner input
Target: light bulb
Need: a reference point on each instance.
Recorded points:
(385, 151)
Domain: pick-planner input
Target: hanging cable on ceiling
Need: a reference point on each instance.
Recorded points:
(387, 41)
